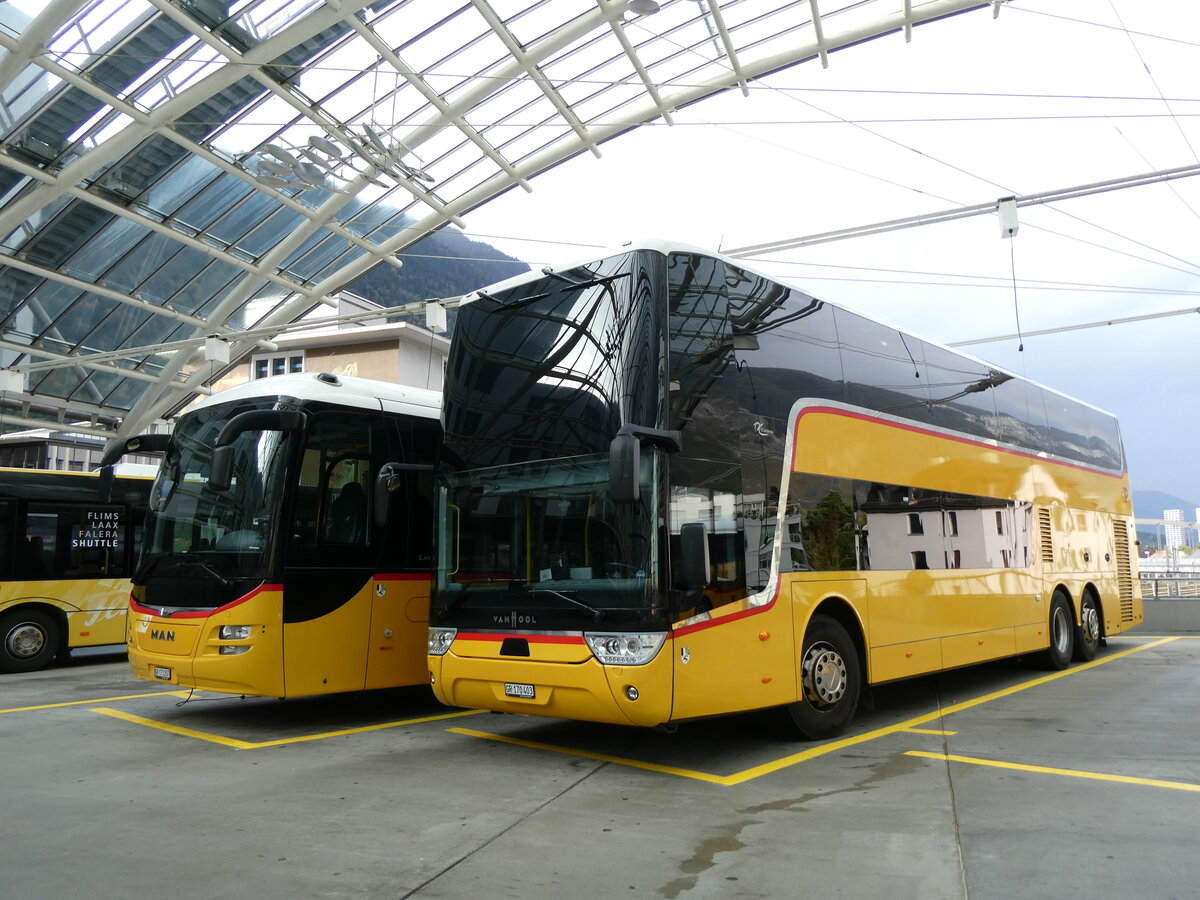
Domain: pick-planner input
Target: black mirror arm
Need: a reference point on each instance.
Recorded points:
(668, 439)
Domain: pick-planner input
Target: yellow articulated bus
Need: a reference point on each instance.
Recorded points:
(287, 545)
(674, 488)
(67, 547)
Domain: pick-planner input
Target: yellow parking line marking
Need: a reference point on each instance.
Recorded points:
(1051, 770)
(937, 731)
(821, 749)
(255, 745)
(587, 754)
(93, 700)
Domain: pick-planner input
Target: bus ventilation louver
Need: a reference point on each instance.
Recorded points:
(1046, 538)
(1124, 569)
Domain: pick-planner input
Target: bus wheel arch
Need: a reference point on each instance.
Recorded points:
(32, 636)
(1060, 625)
(831, 674)
(1090, 629)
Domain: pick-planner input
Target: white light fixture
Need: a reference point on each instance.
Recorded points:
(12, 381)
(216, 351)
(642, 7)
(435, 317)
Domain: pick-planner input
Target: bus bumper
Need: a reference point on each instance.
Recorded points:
(583, 690)
(188, 654)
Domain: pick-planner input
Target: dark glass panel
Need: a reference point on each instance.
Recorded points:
(555, 366)
(883, 367)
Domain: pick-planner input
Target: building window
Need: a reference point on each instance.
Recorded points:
(914, 524)
(999, 521)
(919, 560)
(263, 366)
(954, 559)
(952, 523)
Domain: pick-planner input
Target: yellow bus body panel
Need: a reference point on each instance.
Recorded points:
(94, 607)
(399, 631)
(187, 647)
(743, 657)
(375, 640)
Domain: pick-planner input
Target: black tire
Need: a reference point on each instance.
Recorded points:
(29, 640)
(1087, 632)
(830, 682)
(1061, 626)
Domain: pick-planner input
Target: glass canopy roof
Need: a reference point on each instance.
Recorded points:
(177, 170)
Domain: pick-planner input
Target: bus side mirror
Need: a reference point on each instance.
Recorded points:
(142, 443)
(625, 469)
(221, 475)
(387, 482)
(693, 556)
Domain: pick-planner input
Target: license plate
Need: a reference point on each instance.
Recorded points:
(162, 672)
(524, 691)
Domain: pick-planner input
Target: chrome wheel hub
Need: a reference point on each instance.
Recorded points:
(1090, 626)
(25, 641)
(824, 675)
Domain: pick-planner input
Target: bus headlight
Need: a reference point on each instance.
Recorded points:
(234, 632)
(440, 640)
(233, 649)
(625, 649)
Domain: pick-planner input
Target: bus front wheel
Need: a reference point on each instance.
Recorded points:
(831, 681)
(28, 640)
(1062, 633)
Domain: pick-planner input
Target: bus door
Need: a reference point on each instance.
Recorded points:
(331, 554)
(400, 602)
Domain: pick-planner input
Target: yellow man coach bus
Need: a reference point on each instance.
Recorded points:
(67, 549)
(675, 488)
(288, 540)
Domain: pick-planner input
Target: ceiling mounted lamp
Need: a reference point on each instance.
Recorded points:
(642, 7)
(280, 168)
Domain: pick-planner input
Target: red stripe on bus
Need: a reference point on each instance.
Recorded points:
(732, 617)
(204, 613)
(532, 638)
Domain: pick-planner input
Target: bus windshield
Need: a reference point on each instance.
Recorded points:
(544, 538)
(214, 536)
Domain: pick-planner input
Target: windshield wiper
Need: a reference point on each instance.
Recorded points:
(597, 613)
(205, 567)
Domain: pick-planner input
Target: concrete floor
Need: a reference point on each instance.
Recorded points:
(993, 782)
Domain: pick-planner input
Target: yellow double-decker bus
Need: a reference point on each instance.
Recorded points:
(287, 544)
(675, 488)
(68, 543)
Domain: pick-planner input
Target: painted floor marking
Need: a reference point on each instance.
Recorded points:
(1051, 770)
(255, 745)
(821, 749)
(93, 700)
(937, 731)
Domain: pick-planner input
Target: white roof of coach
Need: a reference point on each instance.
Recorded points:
(342, 390)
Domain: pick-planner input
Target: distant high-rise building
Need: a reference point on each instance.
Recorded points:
(1174, 533)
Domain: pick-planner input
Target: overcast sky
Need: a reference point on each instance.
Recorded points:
(1050, 95)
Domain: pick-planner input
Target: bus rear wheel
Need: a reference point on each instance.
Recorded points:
(1062, 633)
(830, 682)
(1087, 632)
(29, 640)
